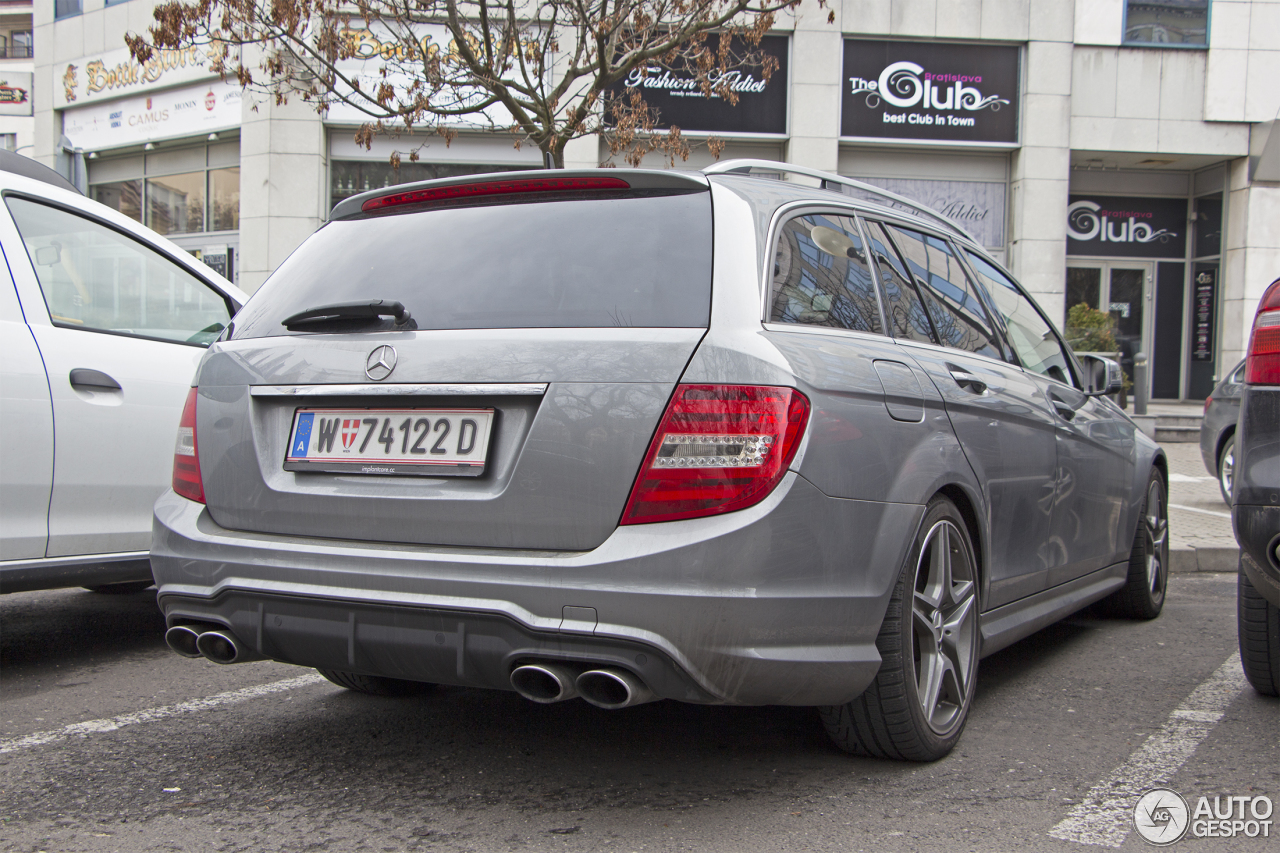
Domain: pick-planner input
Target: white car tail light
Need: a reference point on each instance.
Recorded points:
(718, 448)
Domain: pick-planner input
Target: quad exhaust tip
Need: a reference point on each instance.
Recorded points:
(545, 682)
(183, 640)
(612, 688)
(209, 641)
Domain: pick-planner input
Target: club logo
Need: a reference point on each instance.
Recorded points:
(380, 363)
(1161, 816)
(350, 429)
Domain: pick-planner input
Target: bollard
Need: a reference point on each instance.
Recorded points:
(1140, 384)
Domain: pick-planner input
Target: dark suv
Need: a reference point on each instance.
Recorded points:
(1256, 499)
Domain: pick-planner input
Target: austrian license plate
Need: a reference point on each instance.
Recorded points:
(423, 442)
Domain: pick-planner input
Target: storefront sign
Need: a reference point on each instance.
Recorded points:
(1203, 301)
(189, 111)
(15, 93)
(380, 58)
(680, 102)
(116, 73)
(930, 91)
(1119, 227)
(978, 206)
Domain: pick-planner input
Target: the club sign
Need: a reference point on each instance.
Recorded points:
(930, 91)
(1126, 227)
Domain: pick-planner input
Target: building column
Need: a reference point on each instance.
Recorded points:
(1040, 173)
(1251, 257)
(283, 183)
(816, 49)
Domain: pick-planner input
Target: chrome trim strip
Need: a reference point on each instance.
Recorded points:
(76, 560)
(529, 389)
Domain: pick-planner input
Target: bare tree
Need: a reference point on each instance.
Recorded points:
(546, 71)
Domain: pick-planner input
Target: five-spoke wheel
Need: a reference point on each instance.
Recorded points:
(929, 642)
(1142, 596)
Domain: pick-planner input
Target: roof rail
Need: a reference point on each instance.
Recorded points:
(830, 181)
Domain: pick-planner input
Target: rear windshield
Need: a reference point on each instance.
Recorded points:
(631, 261)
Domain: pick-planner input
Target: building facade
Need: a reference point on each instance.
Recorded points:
(1116, 153)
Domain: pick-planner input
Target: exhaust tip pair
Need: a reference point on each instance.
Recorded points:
(212, 642)
(605, 687)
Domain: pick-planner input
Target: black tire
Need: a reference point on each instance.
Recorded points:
(127, 588)
(1226, 468)
(1258, 623)
(376, 685)
(1142, 596)
(932, 624)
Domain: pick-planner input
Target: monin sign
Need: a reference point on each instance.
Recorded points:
(1120, 227)
(930, 91)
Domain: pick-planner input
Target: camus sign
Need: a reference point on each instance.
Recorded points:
(930, 91)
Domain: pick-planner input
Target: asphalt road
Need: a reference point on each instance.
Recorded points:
(304, 767)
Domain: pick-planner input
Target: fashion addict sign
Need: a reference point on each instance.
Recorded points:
(930, 91)
(761, 107)
(1120, 227)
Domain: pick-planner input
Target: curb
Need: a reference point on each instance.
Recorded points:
(1185, 560)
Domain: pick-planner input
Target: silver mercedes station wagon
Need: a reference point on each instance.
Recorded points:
(630, 435)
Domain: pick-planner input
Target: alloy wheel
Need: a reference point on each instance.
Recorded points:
(1155, 525)
(944, 627)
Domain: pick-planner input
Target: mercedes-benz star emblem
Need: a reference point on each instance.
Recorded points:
(380, 364)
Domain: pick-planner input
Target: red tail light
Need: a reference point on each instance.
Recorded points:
(186, 455)
(523, 185)
(719, 448)
(1263, 367)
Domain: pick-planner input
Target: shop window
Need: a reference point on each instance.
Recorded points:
(821, 276)
(352, 177)
(9, 141)
(175, 203)
(124, 196)
(189, 202)
(1167, 23)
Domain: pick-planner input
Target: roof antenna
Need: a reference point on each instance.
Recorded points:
(548, 160)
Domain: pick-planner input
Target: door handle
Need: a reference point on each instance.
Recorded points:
(968, 380)
(84, 377)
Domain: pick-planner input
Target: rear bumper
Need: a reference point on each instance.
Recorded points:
(1258, 532)
(776, 604)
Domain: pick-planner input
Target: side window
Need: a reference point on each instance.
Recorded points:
(820, 276)
(957, 313)
(905, 312)
(98, 279)
(1031, 336)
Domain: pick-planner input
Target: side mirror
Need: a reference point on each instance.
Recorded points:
(1102, 375)
(47, 256)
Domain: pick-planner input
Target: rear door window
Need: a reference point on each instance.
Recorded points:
(906, 314)
(578, 263)
(821, 275)
(954, 306)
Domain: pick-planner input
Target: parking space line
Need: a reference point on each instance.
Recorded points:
(151, 715)
(1105, 816)
(1201, 511)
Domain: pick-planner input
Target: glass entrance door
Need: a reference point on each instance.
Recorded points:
(1122, 289)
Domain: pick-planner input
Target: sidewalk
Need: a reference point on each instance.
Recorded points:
(1200, 534)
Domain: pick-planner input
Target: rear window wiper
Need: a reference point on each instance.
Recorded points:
(344, 313)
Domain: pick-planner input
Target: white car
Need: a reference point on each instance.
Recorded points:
(102, 322)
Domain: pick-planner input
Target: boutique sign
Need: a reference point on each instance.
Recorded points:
(761, 107)
(1121, 227)
(929, 91)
